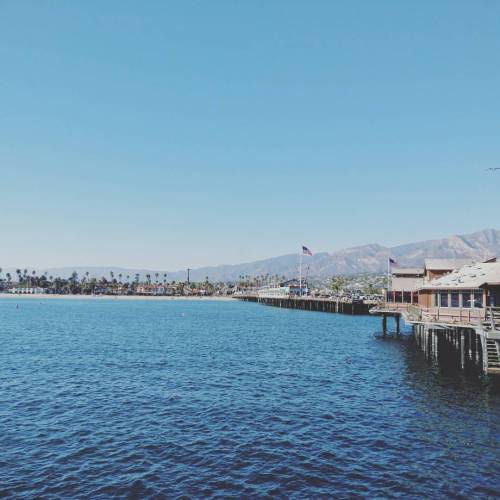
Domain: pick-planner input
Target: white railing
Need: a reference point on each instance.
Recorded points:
(453, 315)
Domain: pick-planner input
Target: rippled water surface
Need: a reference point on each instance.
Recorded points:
(136, 399)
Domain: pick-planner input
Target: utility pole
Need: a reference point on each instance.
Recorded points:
(188, 275)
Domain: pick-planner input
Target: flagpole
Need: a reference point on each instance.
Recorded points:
(388, 277)
(300, 274)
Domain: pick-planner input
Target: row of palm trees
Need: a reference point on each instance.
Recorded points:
(26, 278)
(88, 285)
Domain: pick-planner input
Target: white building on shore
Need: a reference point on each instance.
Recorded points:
(27, 290)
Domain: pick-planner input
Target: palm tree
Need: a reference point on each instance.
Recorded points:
(120, 278)
(337, 284)
(9, 277)
(93, 283)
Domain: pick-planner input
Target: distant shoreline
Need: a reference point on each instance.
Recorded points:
(41, 296)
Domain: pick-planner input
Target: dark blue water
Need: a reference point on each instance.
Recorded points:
(161, 399)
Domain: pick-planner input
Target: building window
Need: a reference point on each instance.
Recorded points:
(407, 297)
(491, 300)
(455, 299)
(443, 297)
(478, 299)
(466, 301)
(398, 296)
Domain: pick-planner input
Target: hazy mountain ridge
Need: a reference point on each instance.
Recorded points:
(362, 259)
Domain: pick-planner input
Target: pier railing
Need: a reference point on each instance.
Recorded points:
(448, 315)
(457, 315)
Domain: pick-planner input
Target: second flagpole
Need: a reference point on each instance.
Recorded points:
(300, 273)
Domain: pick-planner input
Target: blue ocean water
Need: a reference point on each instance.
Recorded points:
(138, 399)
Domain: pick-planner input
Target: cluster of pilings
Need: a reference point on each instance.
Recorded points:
(397, 320)
(312, 304)
(457, 345)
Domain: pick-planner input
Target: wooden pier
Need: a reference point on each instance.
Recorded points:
(312, 304)
(471, 340)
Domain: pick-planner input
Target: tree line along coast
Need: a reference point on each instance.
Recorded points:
(24, 281)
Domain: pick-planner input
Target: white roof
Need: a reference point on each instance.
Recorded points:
(411, 271)
(446, 264)
(469, 276)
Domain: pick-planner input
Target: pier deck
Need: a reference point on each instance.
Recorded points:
(312, 304)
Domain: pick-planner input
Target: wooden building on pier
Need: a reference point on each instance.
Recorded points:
(408, 283)
(405, 283)
(474, 286)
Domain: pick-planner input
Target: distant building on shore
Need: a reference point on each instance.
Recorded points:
(157, 290)
(27, 290)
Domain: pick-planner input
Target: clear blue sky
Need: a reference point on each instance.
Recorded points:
(171, 134)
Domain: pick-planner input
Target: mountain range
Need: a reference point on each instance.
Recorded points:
(370, 258)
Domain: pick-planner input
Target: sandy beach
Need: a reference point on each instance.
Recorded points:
(42, 296)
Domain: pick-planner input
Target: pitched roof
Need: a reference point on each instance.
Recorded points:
(468, 276)
(446, 264)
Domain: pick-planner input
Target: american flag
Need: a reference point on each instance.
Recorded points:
(306, 251)
(392, 262)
